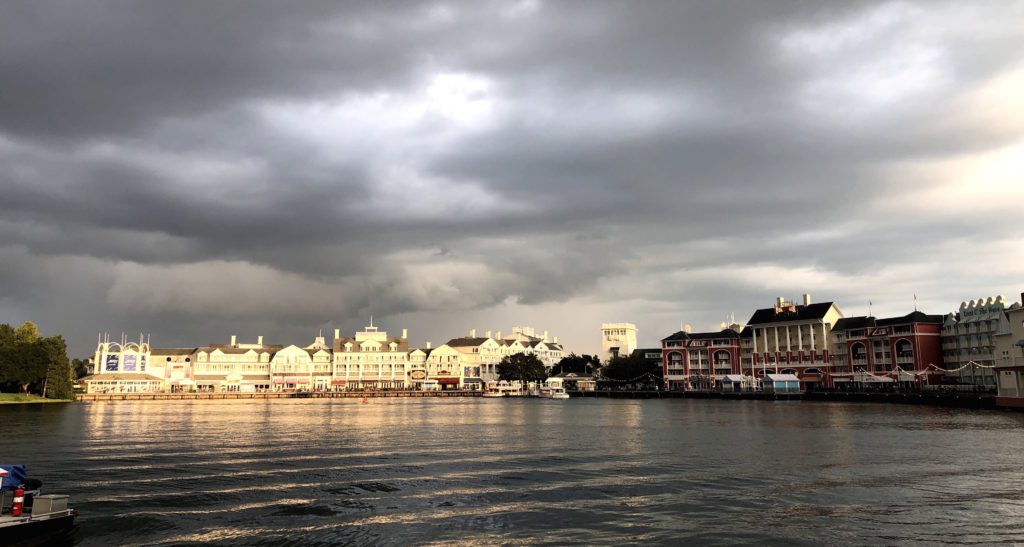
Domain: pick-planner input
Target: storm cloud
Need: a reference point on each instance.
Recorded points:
(196, 169)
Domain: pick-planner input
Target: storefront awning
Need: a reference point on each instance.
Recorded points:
(448, 381)
(338, 382)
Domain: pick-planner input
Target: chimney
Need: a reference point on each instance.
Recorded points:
(488, 334)
(472, 333)
(428, 345)
(556, 339)
(687, 328)
(259, 340)
(498, 335)
(545, 336)
(234, 340)
(405, 334)
(779, 301)
(807, 299)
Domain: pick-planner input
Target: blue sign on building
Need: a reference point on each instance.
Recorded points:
(112, 363)
(129, 363)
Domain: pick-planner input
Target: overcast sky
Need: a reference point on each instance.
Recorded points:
(198, 169)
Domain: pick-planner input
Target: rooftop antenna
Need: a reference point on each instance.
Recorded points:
(869, 307)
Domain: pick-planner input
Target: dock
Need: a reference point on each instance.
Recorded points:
(93, 397)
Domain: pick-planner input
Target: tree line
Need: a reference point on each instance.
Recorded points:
(32, 363)
(627, 369)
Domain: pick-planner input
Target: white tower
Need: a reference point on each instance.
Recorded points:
(617, 339)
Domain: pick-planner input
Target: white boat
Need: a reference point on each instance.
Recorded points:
(549, 392)
(493, 392)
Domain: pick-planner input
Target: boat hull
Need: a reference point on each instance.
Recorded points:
(51, 531)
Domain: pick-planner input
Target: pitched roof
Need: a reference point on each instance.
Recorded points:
(912, 317)
(801, 313)
(683, 335)
(860, 322)
(850, 323)
(466, 341)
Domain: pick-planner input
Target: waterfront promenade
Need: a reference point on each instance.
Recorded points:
(89, 397)
(946, 399)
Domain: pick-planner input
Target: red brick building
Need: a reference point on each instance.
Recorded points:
(906, 349)
(700, 360)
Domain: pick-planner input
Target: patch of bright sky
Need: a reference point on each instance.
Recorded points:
(986, 183)
(410, 124)
(395, 135)
(884, 56)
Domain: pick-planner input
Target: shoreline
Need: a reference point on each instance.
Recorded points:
(955, 400)
(94, 397)
(24, 399)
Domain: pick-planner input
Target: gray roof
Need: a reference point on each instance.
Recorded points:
(801, 313)
(466, 342)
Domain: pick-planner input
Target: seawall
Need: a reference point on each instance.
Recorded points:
(91, 397)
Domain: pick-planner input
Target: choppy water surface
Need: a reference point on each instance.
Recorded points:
(326, 472)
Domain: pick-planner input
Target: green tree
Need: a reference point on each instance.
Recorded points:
(579, 364)
(6, 335)
(57, 383)
(80, 368)
(23, 364)
(633, 369)
(33, 363)
(27, 333)
(522, 368)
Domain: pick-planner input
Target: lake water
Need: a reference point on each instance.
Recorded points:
(525, 471)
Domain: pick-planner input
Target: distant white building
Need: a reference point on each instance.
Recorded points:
(371, 359)
(617, 339)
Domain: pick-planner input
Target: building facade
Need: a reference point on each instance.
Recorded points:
(617, 339)
(700, 360)
(969, 341)
(1009, 349)
(791, 338)
(906, 349)
(370, 360)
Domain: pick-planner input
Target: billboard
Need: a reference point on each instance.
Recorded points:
(471, 372)
(129, 363)
(111, 363)
(142, 363)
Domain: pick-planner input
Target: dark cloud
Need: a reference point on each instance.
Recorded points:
(197, 170)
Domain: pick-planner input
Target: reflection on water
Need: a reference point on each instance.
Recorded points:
(395, 471)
